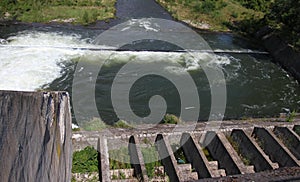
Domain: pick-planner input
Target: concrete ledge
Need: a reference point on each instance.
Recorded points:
(249, 149)
(278, 175)
(275, 148)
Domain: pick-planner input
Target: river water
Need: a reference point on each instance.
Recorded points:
(35, 57)
(41, 57)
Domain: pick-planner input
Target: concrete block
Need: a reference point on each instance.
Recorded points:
(168, 160)
(221, 150)
(273, 147)
(195, 155)
(290, 139)
(250, 150)
(137, 159)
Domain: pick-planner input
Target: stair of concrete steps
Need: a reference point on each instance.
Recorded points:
(216, 172)
(128, 174)
(274, 164)
(275, 149)
(186, 172)
(125, 180)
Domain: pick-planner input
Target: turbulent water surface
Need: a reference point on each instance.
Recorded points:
(45, 58)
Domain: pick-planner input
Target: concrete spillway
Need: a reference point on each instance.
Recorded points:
(238, 148)
(35, 145)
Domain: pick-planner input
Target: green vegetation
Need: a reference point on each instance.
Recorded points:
(152, 161)
(218, 15)
(236, 147)
(170, 119)
(291, 116)
(79, 11)
(207, 154)
(119, 158)
(85, 161)
(96, 124)
(244, 16)
(179, 154)
(122, 124)
(285, 17)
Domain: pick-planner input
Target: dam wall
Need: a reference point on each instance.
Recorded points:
(36, 143)
(35, 136)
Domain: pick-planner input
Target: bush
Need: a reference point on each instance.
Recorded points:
(170, 119)
(85, 161)
(122, 124)
(96, 124)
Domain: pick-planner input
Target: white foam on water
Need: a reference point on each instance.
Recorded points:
(31, 60)
(189, 61)
(30, 68)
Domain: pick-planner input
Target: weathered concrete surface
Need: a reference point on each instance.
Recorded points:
(282, 174)
(283, 54)
(290, 139)
(195, 156)
(35, 136)
(221, 150)
(102, 148)
(137, 159)
(116, 138)
(275, 148)
(168, 160)
(250, 150)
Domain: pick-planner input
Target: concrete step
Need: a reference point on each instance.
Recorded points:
(213, 165)
(193, 176)
(184, 167)
(125, 180)
(122, 173)
(186, 172)
(216, 172)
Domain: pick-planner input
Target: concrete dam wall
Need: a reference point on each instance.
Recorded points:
(262, 150)
(36, 143)
(35, 136)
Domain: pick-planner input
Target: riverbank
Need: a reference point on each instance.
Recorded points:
(82, 12)
(210, 15)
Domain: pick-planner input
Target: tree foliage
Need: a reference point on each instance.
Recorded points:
(287, 13)
(259, 5)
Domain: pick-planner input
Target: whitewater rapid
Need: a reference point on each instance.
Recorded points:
(30, 68)
(31, 60)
